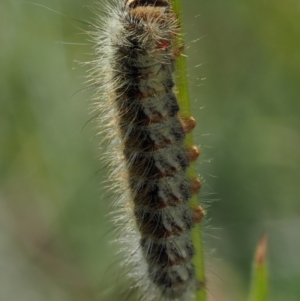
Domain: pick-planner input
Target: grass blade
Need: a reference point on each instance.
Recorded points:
(259, 285)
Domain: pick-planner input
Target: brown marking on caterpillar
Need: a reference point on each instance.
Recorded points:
(188, 124)
(193, 153)
(151, 94)
(195, 185)
(146, 229)
(198, 214)
(163, 44)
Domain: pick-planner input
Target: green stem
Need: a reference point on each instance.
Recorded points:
(259, 286)
(184, 101)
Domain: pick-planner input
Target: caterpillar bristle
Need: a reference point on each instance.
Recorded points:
(198, 214)
(195, 185)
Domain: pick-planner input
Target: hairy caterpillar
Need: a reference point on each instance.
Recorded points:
(135, 58)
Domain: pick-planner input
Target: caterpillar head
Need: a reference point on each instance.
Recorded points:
(145, 9)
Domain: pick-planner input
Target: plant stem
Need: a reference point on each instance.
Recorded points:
(184, 101)
(259, 285)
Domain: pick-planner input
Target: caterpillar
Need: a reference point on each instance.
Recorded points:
(133, 73)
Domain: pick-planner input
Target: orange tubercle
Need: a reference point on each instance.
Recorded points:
(195, 185)
(198, 214)
(188, 124)
(193, 153)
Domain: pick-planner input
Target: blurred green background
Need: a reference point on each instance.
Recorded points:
(55, 229)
